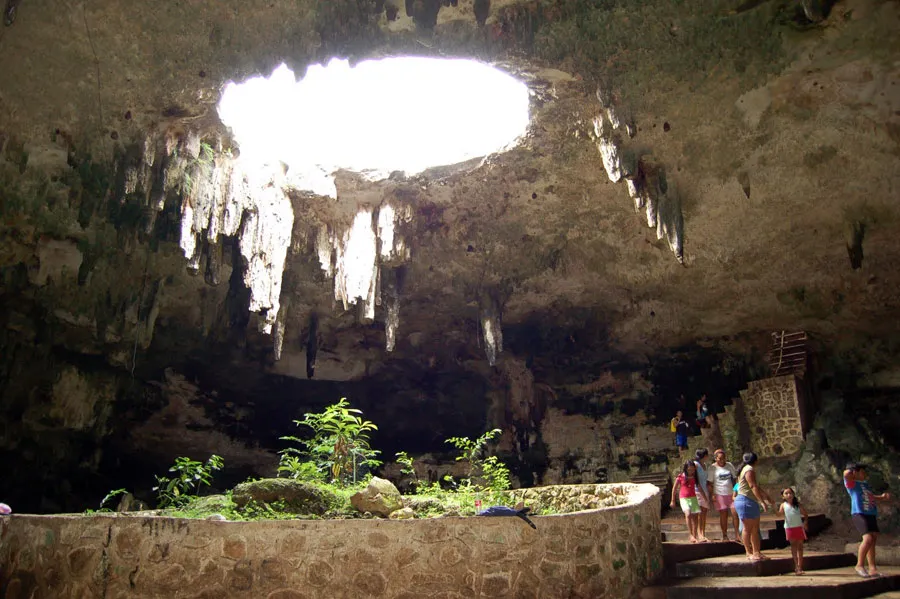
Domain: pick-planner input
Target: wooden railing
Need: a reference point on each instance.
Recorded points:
(789, 353)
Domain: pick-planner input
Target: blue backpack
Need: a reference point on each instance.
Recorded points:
(502, 510)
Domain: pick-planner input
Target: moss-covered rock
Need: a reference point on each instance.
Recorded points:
(379, 497)
(213, 504)
(295, 496)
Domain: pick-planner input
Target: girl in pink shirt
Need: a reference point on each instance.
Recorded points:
(686, 488)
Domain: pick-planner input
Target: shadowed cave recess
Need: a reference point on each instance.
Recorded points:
(689, 180)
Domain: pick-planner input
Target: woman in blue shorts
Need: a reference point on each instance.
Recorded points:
(749, 503)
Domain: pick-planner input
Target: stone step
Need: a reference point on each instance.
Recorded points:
(769, 521)
(683, 536)
(779, 562)
(834, 583)
(888, 595)
(660, 479)
(676, 553)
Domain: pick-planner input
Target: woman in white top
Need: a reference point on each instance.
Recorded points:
(723, 475)
(703, 494)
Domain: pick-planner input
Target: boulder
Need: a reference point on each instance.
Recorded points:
(405, 513)
(423, 505)
(211, 504)
(297, 497)
(129, 503)
(379, 497)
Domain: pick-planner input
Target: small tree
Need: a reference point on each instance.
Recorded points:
(189, 476)
(493, 471)
(340, 442)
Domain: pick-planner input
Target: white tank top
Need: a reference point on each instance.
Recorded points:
(792, 516)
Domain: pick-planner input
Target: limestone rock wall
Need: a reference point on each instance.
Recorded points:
(582, 449)
(600, 553)
(773, 413)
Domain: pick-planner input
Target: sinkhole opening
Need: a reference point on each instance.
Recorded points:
(395, 114)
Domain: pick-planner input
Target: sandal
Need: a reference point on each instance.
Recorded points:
(862, 572)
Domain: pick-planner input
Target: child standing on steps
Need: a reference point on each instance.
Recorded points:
(865, 516)
(686, 488)
(796, 524)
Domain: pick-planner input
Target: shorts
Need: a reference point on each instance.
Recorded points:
(703, 501)
(681, 441)
(724, 502)
(689, 505)
(747, 509)
(795, 533)
(865, 523)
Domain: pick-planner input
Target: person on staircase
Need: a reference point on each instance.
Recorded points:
(796, 525)
(685, 488)
(750, 502)
(864, 513)
(702, 412)
(723, 476)
(681, 428)
(704, 492)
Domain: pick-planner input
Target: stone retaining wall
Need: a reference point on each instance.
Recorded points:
(603, 553)
(772, 411)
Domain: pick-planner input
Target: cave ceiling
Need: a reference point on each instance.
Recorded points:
(765, 134)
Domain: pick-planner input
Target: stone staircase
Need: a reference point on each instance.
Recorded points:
(661, 480)
(721, 570)
(769, 530)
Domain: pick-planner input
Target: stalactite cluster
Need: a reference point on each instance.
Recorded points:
(645, 181)
(367, 262)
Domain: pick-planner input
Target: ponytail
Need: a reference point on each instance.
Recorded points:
(748, 460)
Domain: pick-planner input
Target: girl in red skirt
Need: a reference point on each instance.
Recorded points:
(795, 526)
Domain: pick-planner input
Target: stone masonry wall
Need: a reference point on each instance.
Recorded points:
(602, 553)
(772, 411)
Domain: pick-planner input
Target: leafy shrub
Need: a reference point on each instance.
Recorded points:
(189, 476)
(340, 443)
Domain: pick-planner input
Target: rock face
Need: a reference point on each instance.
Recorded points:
(297, 497)
(379, 497)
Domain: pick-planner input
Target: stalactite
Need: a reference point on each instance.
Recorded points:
(325, 250)
(278, 333)
(393, 281)
(646, 186)
(213, 263)
(355, 264)
(364, 253)
(491, 327)
(608, 146)
(222, 199)
(265, 238)
(312, 345)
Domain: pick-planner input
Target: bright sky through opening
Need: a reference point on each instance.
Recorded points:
(405, 114)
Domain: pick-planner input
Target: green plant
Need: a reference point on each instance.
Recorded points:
(293, 467)
(491, 470)
(207, 154)
(189, 476)
(472, 450)
(406, 464)
(111, 495)
(340, 442)
(407, 469)
(495, 473)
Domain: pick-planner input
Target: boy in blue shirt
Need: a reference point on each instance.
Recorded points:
(865, 516)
